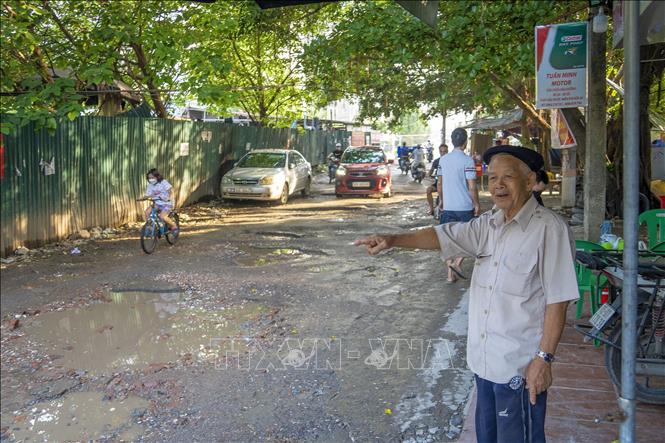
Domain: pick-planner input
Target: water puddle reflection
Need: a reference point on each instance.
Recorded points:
(81, 416)
(135, 330)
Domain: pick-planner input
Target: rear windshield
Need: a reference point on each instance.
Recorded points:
(262, 160)
(363, 156)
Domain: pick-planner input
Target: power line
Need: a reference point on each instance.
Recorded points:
(120, 91)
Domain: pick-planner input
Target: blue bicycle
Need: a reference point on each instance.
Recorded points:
(154, 228)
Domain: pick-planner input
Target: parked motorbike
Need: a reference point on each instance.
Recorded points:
(606, 322)
(418, 172)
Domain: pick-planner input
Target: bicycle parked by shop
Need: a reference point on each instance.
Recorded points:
(605, 324)
(154, 228)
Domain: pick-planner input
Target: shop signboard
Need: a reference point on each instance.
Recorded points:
(561, 58)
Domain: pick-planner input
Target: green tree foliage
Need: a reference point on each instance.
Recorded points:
(481, 55)
(411, 123)
(263, 48)
(225, 54)
(53, 51)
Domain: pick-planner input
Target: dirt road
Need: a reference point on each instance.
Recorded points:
(263, 323)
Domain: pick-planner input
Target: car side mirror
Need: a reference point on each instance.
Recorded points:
(292, 165)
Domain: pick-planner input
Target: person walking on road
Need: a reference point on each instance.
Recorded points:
(458, 192)
(523, 279)
(434, 172)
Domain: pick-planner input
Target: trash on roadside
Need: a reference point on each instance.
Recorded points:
(22, 250)
(75, 251)
(388, 411)
(606, 228)
(611, 241)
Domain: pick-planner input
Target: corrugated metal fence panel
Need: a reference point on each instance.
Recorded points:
(100, 165)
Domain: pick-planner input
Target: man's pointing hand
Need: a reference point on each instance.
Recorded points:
(375, 243)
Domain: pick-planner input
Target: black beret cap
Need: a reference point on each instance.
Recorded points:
(532, 159)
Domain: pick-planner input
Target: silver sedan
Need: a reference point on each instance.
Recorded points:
(268, 174)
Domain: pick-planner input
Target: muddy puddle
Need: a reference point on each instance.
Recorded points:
(135, 330)
(262, 256)
(81, 416)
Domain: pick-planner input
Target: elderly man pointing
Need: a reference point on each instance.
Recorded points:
(523, 279)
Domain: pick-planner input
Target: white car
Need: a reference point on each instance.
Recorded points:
(268, 174)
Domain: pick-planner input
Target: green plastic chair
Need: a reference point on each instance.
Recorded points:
(655, 221)
(587, 280)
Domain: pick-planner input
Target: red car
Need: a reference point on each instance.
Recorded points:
(363, 171)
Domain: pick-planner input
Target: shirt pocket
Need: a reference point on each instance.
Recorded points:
(518, 276)
(482, 271)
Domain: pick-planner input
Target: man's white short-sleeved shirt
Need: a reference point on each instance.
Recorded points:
(455, 168)
(520, 268)
(418, 155)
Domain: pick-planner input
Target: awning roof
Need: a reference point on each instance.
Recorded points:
(506, 121)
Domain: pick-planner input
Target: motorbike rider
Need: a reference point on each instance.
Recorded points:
(333, 161)
(429, 150)
(400, 148)
(418, 158)
(404, 157)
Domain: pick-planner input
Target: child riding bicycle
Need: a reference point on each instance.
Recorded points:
(160, 192)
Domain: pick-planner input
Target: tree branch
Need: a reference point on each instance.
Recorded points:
(236, 51)
(278, 90)
(515, 96)
(247, 110)
(61, 25)
(154, 93)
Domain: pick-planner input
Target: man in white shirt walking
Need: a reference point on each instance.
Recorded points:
(458, 191)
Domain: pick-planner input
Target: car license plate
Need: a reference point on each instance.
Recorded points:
(602, 316)
(360, 184)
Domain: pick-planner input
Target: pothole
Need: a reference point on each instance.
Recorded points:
(255, 257)
(81, 416)
(135, 330)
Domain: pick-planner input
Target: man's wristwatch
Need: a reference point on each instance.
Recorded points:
(549, 358)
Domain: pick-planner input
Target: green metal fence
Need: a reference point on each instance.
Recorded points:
(90, 171)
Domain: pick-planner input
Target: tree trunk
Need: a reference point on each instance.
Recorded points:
(524, 129)
(154, 93)
(111, 104)
(443, 126)
(527, 107)
(545, 141)
(650, 71)
(577, 125)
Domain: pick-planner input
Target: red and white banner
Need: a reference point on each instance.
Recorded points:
(562, 136)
